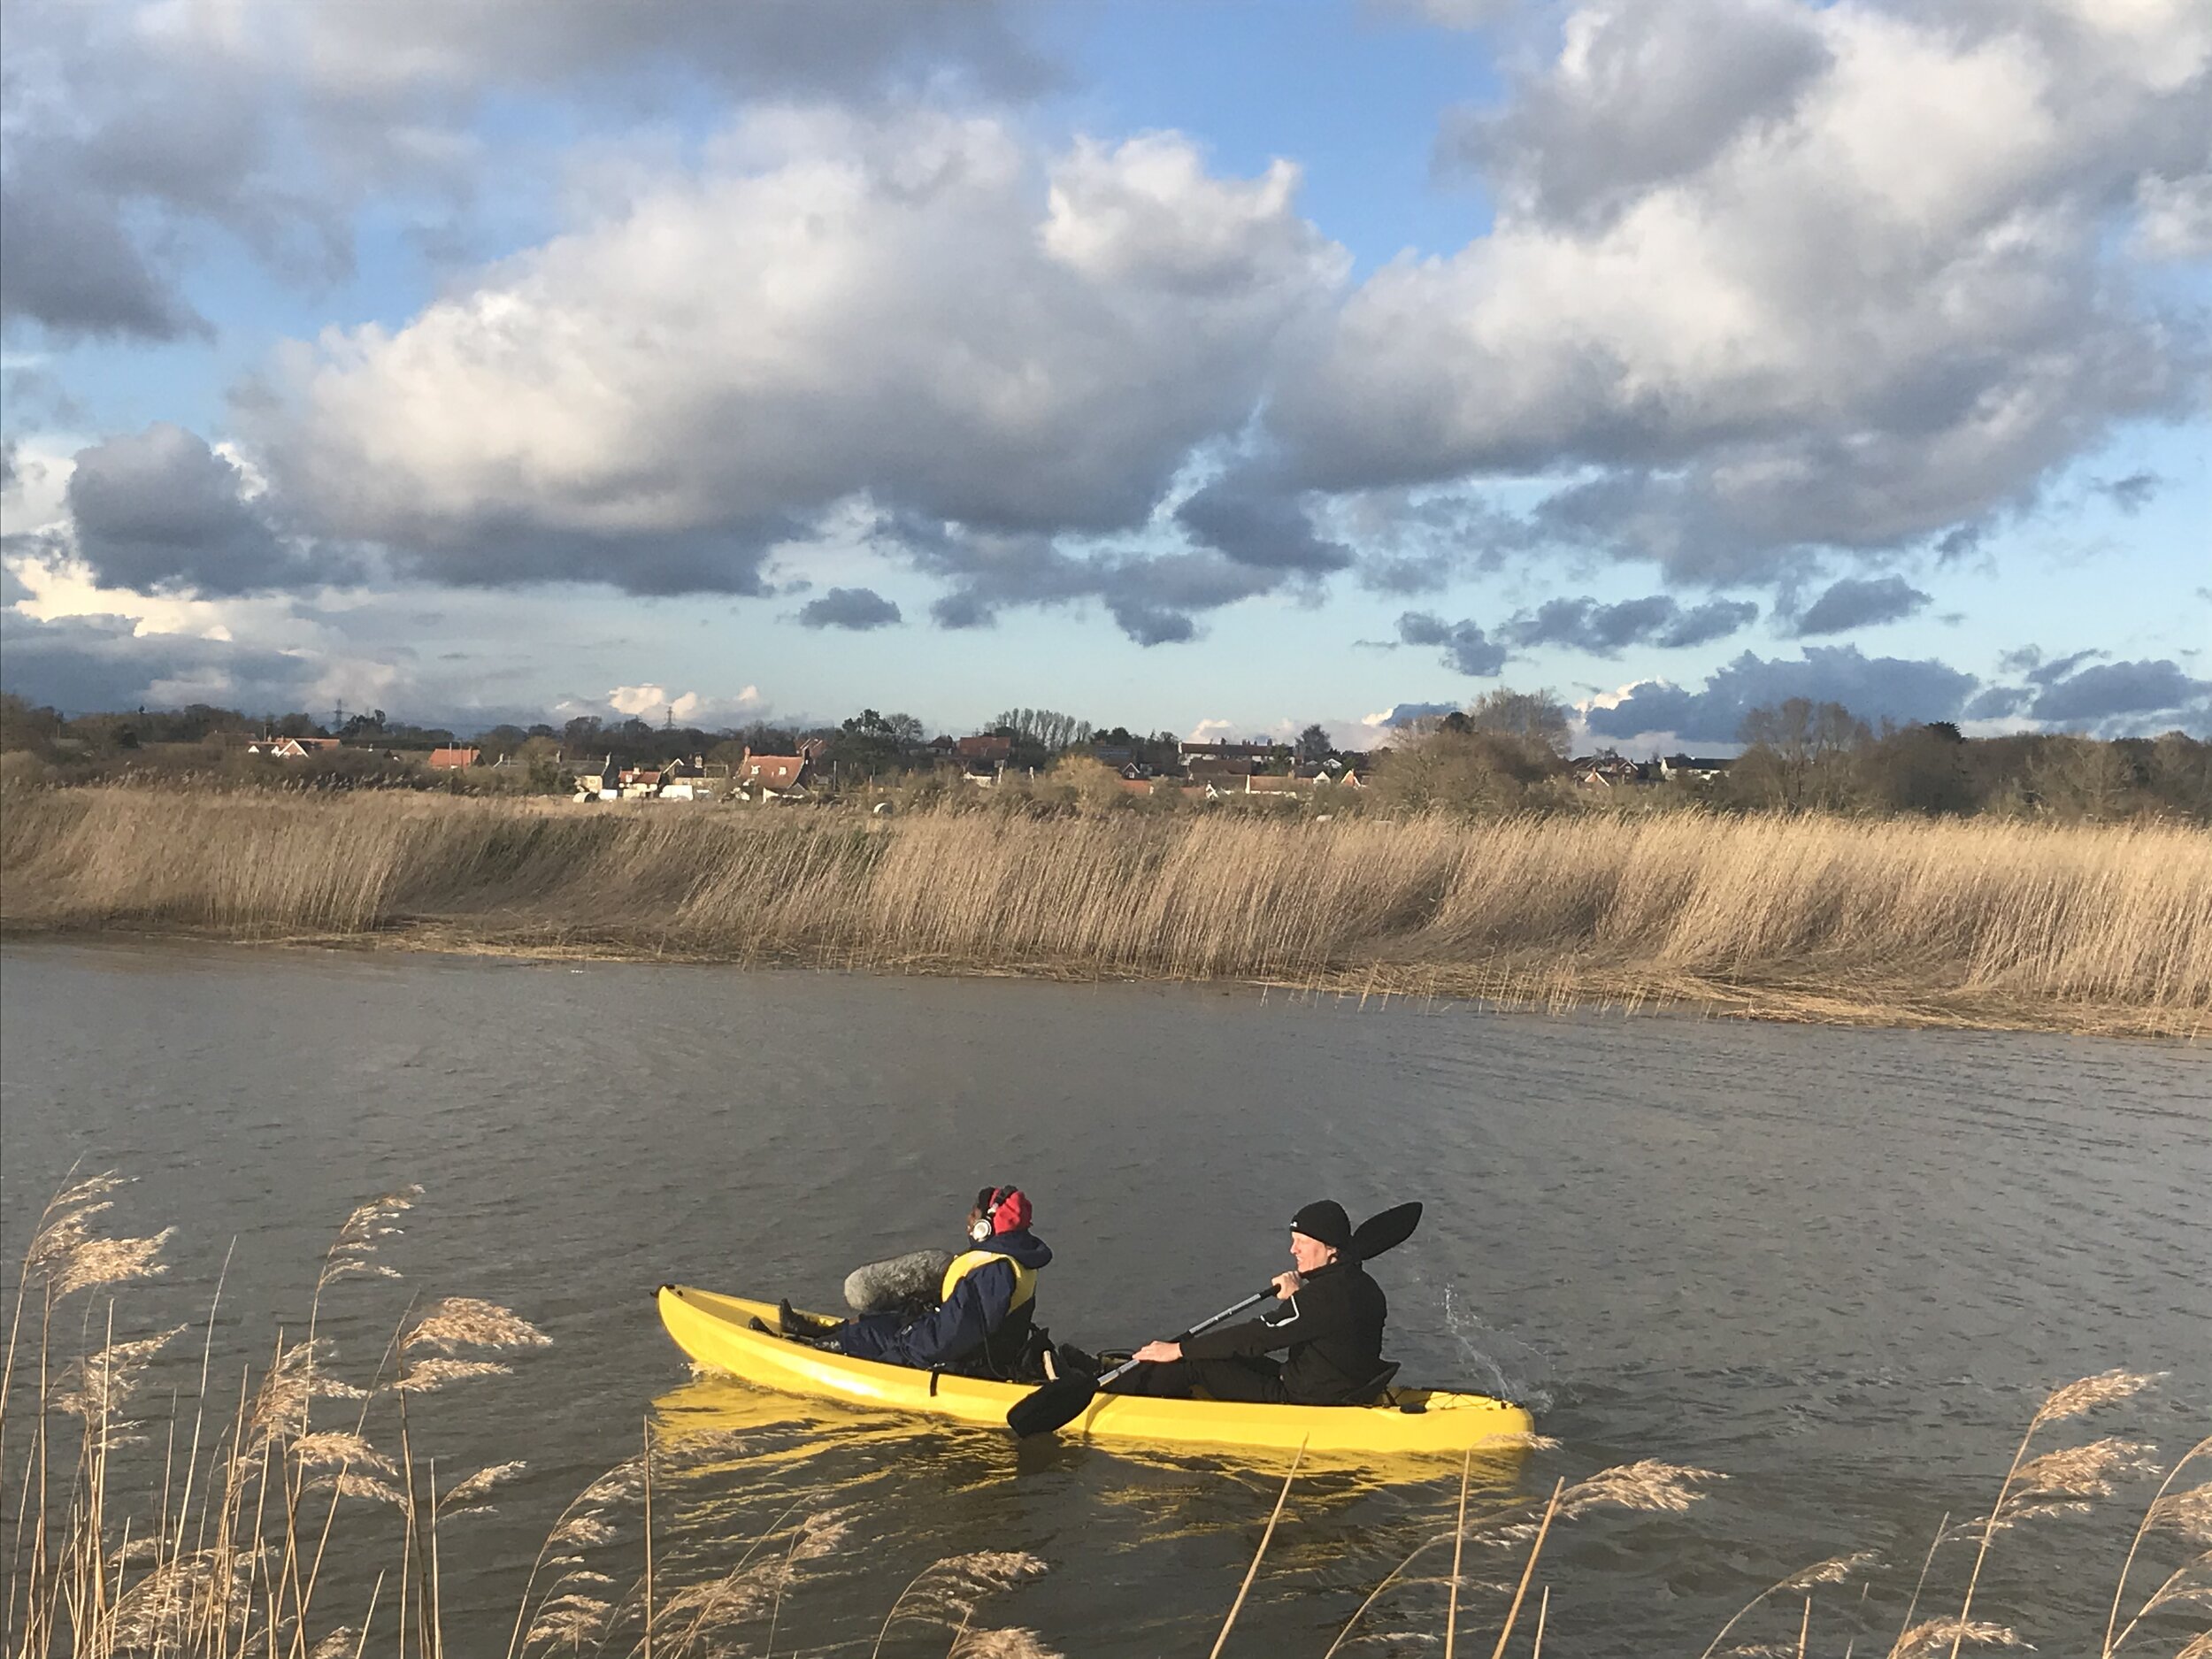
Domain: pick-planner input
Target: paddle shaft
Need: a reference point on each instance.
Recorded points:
(1226, 1313)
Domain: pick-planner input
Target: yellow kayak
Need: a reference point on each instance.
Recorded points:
(716, 1332)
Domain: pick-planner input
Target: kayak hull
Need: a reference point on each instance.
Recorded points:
(716, 1332)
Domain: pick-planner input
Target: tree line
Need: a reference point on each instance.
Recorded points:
(1506, 751)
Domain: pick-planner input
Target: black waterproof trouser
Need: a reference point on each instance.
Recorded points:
(1256, 1379)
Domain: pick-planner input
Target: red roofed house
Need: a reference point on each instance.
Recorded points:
(770, 777)
(452, 759)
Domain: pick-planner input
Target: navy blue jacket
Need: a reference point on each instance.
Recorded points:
(959, 1329)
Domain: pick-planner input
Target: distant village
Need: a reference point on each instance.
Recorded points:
(591, 761)
(1506, 751)
(1197, 771)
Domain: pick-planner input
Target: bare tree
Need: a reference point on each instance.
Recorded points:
(1534, 716)
(1047, 728)
(2080, 778)
(1800, 751)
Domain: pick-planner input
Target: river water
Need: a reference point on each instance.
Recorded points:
(1841, 1268)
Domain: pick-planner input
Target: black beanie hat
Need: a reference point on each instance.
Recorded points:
(1326, 1222)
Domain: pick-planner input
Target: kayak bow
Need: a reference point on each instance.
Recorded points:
(715, 1331)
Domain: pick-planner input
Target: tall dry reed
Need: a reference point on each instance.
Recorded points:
(2087, 928)
(211, 1543)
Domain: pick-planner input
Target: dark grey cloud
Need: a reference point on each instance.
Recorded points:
(1588, 626)
(1997, 702)
(1606, 630)
(1733, 510)
(1859, 603)
(1717, 619)
(859, 608)
(136, 128)
(1414, 542)
(2040, 672)
(1154, 599)
(2112, 689)
(2131, 494)
(67, 263)
(845, 47)
(1466, 648)
(1150, 624)
(505, 550)
(1658, 92)
(158, 508)
(1245, 519)
(131, 143)
(36, 399)
(1954, 545)
(1406, 713)
(87, 664)
(963, 608)
(1873, 688)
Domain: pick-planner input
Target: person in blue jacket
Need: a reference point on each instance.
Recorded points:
(985, 1305)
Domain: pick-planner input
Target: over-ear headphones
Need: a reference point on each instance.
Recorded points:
(986, 1203)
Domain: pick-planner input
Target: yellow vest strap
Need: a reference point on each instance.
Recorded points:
(1024, 1277)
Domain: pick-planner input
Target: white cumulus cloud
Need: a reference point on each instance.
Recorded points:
(913, 309)
(1776, 276)
(648, 703)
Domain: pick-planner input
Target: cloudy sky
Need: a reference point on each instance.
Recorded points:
(1164, 363)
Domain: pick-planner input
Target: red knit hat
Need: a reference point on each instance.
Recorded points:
(1008, 1208)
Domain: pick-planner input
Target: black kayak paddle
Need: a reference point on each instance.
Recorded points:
(1047, 1409)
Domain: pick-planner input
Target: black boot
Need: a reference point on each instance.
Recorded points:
(804, 1327)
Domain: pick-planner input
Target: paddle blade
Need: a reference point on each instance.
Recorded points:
(1053, 1406)
(1386, 1232)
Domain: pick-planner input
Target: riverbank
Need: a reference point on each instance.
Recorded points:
(1915, 922)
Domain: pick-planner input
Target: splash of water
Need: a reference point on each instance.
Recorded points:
(1475, 1338)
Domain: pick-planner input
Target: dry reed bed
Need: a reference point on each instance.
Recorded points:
(2085, 928)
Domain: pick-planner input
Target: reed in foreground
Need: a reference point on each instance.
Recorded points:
(2062, 1480)
(221, 1543)
(2080, 928)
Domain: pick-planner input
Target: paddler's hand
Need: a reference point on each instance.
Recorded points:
(1288, 1285)
(1159, 1353)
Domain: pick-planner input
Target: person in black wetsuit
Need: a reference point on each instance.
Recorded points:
(1329, 1329)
